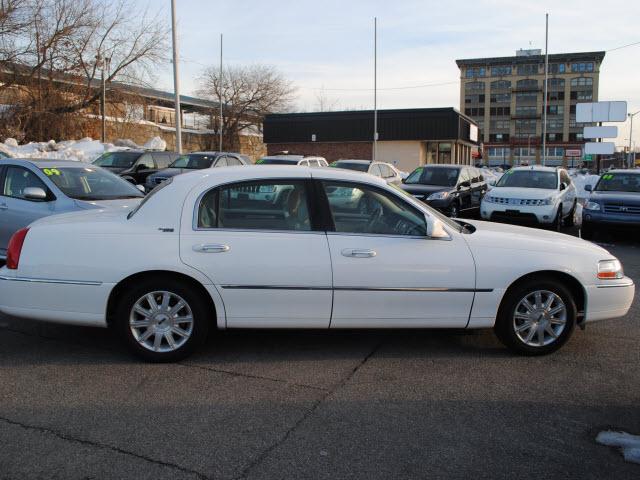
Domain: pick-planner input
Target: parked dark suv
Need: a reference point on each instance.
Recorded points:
(135, 165)
(452, 189)
(614, 203)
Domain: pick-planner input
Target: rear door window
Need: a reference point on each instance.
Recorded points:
(17, 179)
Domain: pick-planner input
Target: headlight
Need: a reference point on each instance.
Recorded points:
(592, 206)
(438, 196)
(610, 270)
(547, 201)
(488, 198)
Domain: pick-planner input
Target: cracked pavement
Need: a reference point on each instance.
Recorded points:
(254, 405)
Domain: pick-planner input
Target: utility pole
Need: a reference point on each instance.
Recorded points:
(375, 87)
(631, 156)
(176, 81)
(105, 63)
(220, 96)
(546, 100)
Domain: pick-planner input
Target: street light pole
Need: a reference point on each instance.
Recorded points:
(176, 81)
(546, 101)
(631, 156)
(220, 96)
(375, 87)
(105, 63)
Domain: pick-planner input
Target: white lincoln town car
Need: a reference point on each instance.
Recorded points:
(249, 247)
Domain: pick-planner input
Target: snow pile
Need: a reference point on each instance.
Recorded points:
(84, 150)
(629, 444)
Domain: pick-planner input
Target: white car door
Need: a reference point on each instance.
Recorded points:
(386, 271)
(569, 193)
(255, 240)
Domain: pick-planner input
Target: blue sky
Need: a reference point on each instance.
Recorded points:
(326, 46)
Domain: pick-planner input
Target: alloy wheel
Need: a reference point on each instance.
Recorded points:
(540, 318)
(161, 321)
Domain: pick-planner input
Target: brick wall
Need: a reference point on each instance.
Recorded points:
(328, 150)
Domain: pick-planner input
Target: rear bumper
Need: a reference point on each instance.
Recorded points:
(609, 300)
(60, 301)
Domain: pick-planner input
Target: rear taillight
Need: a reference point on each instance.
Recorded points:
(15, 247)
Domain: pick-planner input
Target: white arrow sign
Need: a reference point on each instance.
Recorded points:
(600, 132)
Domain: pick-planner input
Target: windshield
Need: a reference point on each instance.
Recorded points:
(90, 183)
(193, 162)
(446, 177)
(117, 159)
(619, 182)
(529, 179)
(277, 161)
(358, 166)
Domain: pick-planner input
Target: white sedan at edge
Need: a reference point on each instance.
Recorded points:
(251, 247)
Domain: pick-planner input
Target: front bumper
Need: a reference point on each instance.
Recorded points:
(610, 300)
(525, 214)
(595, 217)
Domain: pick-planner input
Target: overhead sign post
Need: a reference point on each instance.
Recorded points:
(598, 112)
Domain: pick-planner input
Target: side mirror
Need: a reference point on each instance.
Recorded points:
(588, 188)
(34, 193)
(435, 229)
(140, 166)
(563, 186)
(403, 180)
(141, 188)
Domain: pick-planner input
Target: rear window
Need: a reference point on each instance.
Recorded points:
(529, 179)
(357, 166)
(277, 161)
(117, 159)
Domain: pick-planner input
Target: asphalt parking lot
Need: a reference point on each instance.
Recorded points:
(428, 404)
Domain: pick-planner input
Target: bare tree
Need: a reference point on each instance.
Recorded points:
(247, 95)
(323, 103)
(56, 51)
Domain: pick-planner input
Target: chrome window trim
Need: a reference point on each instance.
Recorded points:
(358, 288)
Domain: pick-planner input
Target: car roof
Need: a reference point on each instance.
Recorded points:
(212, 153)
(624, 170)
(444, 165)
(45, 162)
(354, 160)
(537, 168)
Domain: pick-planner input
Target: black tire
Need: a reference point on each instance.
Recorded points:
(200, 315)
(454, 210)
(505, 327)
(586, 232)
(571, 220)
(556, 226)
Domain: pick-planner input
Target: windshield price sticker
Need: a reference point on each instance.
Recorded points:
(51, 171)
(608, 176)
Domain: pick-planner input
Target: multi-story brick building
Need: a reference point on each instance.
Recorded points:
(504, 95)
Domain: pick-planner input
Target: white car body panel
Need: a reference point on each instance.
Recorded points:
(71, 262)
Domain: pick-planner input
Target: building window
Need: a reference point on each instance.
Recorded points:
(526, 97)
(474, 87)
(528, 111)
(582, 82)
(555, 96)
(476, 72)
(555, 84)
(498, 152)
(501, 85)
(474, 112)
(500, 124)
(498, 137)
(555, 123)
(525, 126)
(500, 98)
(528, 69)
(582, 67)
(500, 111)
(474, 98)
(528, 83)
(555, 152)
(524, 152)
(557, 68)
(500, 71)
(554, 137)
(555, 109)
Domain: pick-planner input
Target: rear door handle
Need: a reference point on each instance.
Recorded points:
(358, 252)
(211, 248)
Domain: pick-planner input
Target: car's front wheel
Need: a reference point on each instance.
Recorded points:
(162, 320)
(536, 317)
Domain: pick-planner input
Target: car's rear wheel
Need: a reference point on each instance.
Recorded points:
(536, 317)
(571, 218)
(162, 320)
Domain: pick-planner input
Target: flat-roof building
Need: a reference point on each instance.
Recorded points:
(407, 138)
(504, 95)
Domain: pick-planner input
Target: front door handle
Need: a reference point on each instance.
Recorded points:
(359, 252)
(211, 248)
